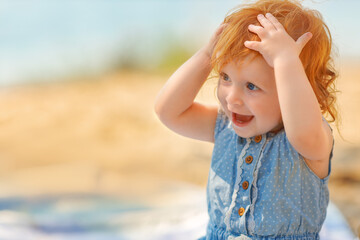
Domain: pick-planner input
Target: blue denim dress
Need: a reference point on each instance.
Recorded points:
(261, 188)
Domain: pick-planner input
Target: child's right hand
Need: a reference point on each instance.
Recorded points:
(209, 48)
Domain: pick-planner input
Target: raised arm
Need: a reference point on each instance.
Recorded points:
(175, 104)
(300, 110)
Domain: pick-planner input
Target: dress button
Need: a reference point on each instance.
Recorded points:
(245, 185)
(241, 211)
(257, 139)
(249, 159)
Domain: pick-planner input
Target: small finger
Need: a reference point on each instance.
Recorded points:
(265, 22)
(221, 28)
(253, 45)
(274, 21)
(260, 31)
(255, 29)
(304, 39)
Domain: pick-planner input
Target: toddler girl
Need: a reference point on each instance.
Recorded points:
(271, 160)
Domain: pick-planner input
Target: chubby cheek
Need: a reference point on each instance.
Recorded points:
(264, 105)
(221, 95)
(272, 109)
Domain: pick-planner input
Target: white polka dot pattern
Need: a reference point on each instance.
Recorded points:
(284, 200)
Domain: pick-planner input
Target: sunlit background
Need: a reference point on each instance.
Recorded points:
(82, 153)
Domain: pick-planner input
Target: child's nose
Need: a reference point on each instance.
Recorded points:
(234, 97)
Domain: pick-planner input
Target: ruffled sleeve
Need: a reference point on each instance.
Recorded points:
(222, 122)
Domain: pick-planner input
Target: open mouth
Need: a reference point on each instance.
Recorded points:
(241, 120)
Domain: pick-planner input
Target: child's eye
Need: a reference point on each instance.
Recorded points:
(225, 77)
(252, 87)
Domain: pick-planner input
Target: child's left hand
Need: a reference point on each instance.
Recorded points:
(276, 44)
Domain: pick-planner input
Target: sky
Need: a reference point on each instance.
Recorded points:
(50, 38)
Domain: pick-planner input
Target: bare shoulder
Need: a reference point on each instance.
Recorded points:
(321, 167)
(197, 122)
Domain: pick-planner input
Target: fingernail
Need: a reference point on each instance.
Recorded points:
(260, 15)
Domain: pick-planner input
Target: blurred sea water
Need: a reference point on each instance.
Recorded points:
(46, 40)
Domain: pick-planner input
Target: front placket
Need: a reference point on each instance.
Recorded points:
(249, 157)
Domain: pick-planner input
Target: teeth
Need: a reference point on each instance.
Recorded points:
(242, 118)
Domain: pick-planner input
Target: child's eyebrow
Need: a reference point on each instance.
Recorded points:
(260, 82)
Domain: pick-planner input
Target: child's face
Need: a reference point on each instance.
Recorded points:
(249, 97)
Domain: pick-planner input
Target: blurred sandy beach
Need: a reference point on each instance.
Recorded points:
(101, 135)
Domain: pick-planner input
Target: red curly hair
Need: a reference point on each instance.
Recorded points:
(297, 20)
